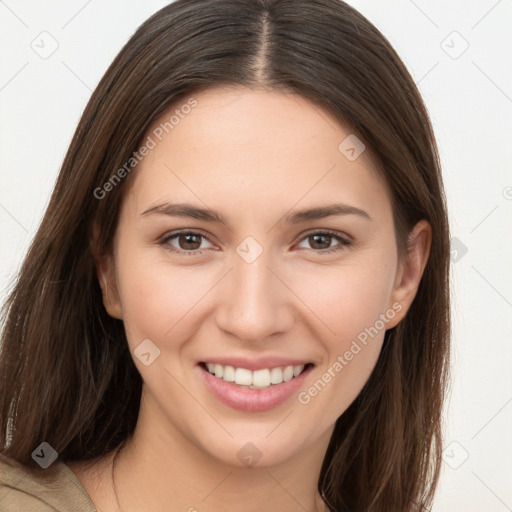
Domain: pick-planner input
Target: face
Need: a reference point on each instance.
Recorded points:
(251, 248)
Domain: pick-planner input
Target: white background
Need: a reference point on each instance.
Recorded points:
(470, 102)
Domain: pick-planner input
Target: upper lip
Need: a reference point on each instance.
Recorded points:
(254, 364)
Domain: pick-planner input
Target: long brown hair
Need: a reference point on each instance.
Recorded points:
(65, 363)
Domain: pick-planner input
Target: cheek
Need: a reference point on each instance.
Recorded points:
(346, 299)
(159, 300)
(353, 311)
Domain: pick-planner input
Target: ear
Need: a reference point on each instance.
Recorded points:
(105, 271)
(410, 269)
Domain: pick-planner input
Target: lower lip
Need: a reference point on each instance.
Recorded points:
(252, 400)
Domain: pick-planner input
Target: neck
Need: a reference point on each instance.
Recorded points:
(167, 468)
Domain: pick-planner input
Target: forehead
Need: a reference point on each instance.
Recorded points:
(240, 147)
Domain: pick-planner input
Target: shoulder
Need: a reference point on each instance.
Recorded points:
(55, 489)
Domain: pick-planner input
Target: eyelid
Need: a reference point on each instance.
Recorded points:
(326, 231)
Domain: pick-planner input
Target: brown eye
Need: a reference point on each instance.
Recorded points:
(189, 242)
(320, 241)
(323, 242)
(186, 242)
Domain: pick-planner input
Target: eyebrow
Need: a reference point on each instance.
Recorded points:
(324, 211)
(186, 210)
(208, 215)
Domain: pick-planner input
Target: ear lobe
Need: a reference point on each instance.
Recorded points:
(105, 271)
(106, 277)
(411, 269)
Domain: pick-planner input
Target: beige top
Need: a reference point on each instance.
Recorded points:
(55, 489)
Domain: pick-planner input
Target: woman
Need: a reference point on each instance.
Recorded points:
(240, 286)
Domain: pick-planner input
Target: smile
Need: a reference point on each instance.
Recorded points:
(258, 379)
(256, 390)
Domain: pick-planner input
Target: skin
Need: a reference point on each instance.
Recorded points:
(254, 156)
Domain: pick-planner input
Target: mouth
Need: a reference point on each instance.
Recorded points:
(255, 390)
(257, 379)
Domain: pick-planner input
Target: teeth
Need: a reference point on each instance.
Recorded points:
(276, 376)
(259, 379)
(288, 373)
(242, 377)
(229, 374)
(219, 371)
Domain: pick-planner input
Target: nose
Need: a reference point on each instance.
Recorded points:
(254, 303)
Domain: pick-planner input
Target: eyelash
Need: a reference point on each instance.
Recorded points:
(343, 241)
